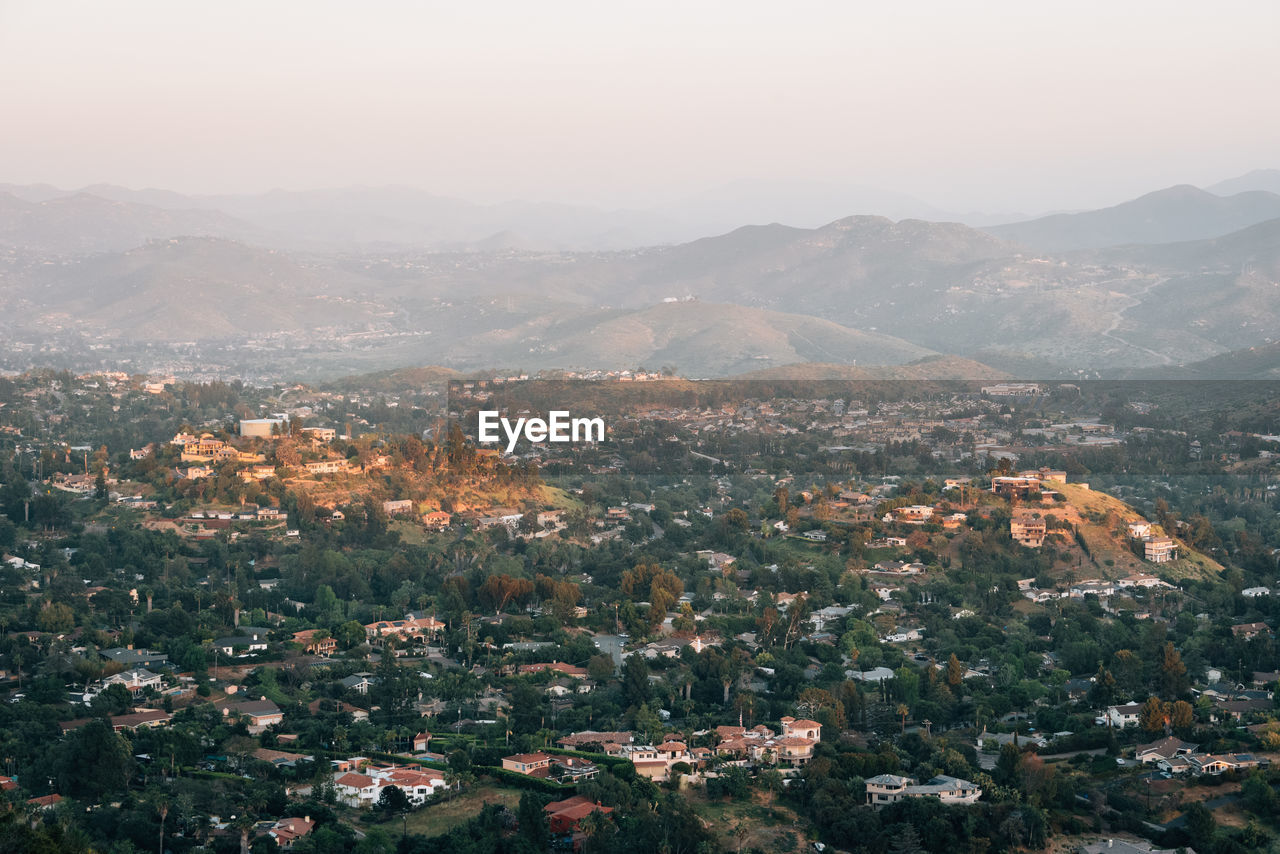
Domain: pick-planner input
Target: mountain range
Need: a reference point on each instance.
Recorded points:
(362, 280)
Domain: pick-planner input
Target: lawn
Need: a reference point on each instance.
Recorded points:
(440, 818)
(747, 825)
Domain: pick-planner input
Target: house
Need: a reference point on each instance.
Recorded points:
(1165, 748)
(565, 817)
(363, 789)
(240, 646)
(1028, 530)
(320, 434)
(136, 681)
(915, 514)
(1247, 631)
(356, 790)
(313, 645)
(141, 718)
(287, 831)
(402, 507)
(315, 707)
(359, 682)
(587, 738)
(1255, 592)
(1139, 530)
(421, 742)
(1159, 549)
(327, 466)
(802, 728)
(130, 657)
(571, 769)
(1016, 487)
(529, 764)
(412, 626)
(437, 519)
(281, 758)
(1122, 716)
(886, 789)
(1125, 846)
(259, 714)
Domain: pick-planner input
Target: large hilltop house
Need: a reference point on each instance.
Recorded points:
(885, 789)
(411, 626)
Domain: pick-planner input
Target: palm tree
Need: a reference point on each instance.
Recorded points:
(162, 807)
(244, 824)
(903, 711)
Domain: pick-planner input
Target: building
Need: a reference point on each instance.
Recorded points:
(1016, 487)
(287, 831)
(320, 434)
(1165, 748)
(136, 681)
(263, 428)
(362, 789)
(258, 714)
(530, 764)
(402, 507)
(327, 466)
(410, 627)
(130, 657)
(1159, 549)
(1028, 530)
(1122, 716)
(314, 645)
(1249, 631)
(1139, 530)
(886, 789)
(565, 817)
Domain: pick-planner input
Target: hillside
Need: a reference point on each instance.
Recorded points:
(1102, 523)
(700, 339)
(1166, 216)
(84, 223)
(192, 288)
(928, 368)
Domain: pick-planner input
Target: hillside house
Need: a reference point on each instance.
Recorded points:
(1028, 530)
(1159, 549)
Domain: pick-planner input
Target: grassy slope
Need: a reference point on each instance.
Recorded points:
(1108, 541)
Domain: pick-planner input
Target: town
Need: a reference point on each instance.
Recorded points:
(771, 616)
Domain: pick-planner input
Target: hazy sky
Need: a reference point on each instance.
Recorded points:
(992, 105)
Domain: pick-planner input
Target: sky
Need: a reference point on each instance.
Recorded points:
(990, 106)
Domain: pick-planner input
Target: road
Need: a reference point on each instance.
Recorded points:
(612, 645)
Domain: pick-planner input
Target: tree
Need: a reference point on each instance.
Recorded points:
(93, 761)
(392, 800)
(635, 681)
(162, 807)
(1008, 768)
(1153, 715)
(955, 671)
(600, 667)
(1181, 715)
(1259, 798)
(1173, 673)
(533, 821)
(1201, 826)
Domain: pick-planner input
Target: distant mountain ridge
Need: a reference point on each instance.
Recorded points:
(861, 290)
(1172, 215)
